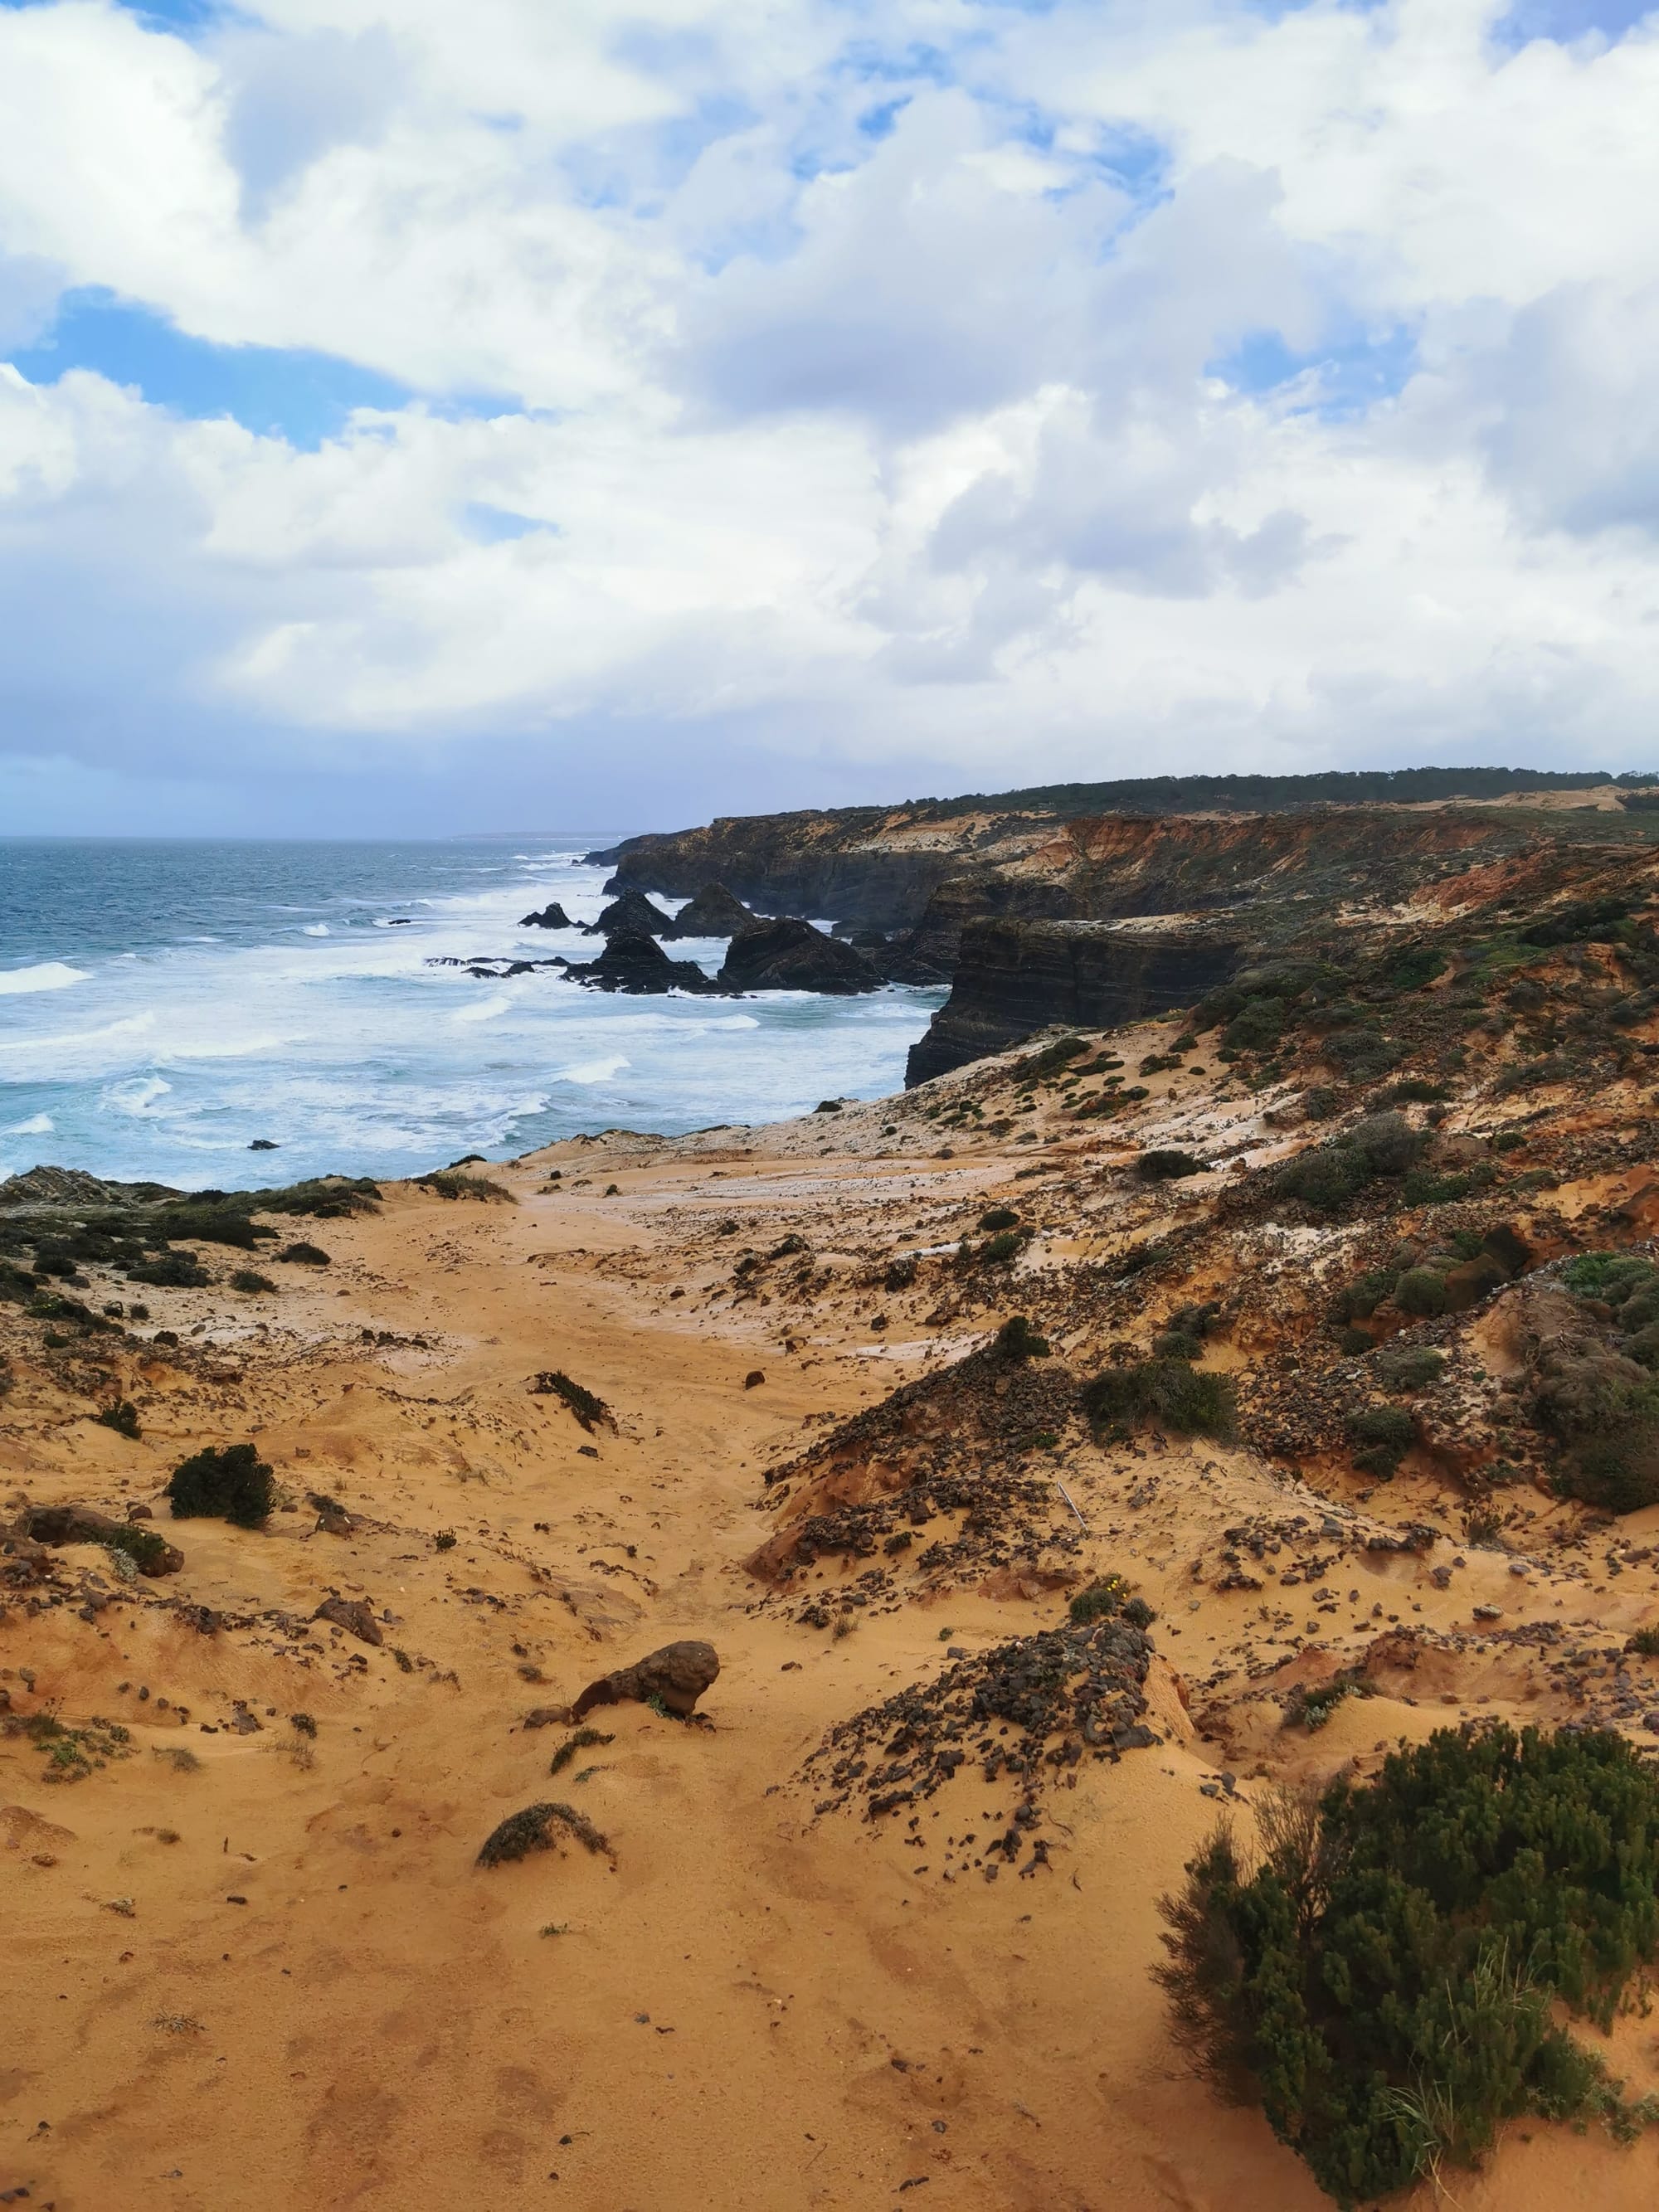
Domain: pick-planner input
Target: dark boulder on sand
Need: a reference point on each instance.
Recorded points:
(713, 912)
(632, 914)
(637, 962)
(790, 955)
(676, 1676)
(552, 916)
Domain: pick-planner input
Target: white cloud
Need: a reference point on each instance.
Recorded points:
(860, 395)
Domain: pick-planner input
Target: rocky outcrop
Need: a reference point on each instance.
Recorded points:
(634, 963)
(1016, 977)
(676, 1676)
(713, 911)
(790, 955)
(632, 914)
(552, 916)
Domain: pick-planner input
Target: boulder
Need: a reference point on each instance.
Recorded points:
(677, 1675)
(713, 912)
(552, 916)
(632, 915)
(355, 1615)
(790, 955)
(636, 962)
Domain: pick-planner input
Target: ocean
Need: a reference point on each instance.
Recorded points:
(163, 1005)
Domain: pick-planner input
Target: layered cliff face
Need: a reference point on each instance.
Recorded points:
(874, 867)
(1014, 977)
(879, 867)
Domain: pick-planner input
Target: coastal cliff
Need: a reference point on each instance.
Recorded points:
(1015, 977)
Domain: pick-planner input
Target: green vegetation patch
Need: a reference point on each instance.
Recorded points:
(539, 1828)
(224, 1482)
(1189, 1399)
(1380, 1977)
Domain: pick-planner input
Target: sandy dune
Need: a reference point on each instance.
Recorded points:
(248, 1966)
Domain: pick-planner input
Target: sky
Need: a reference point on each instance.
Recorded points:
(575, 414)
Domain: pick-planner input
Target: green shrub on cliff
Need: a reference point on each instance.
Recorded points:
(1381, 1977)
(1189, 1400)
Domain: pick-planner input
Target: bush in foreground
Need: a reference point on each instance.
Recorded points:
(1382, 1979)
(225, 1482)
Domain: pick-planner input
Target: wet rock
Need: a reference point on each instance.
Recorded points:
(790, 955)
(636, 964)
(355, 1615)
(713, 912)
(678, 1675)
(552, 916)
(632, 915)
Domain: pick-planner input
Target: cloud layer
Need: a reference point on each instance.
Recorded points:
(843, 400)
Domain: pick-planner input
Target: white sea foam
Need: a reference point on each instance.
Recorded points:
(38, 1125)
(135, 1096)
(484, 1010)
(593, 1071)
(44, 976)
(314, 929)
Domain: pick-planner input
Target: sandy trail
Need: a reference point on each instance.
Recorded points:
(260, 1969)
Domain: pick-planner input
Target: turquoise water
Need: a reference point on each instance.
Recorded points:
(164, 1004)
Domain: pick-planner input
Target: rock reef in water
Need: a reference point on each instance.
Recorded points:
(713, 912)
(552, 916)
(633, 916)
(790, 955)
(632, 961)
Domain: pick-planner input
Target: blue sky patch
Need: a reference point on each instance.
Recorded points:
(302, 396)
(1572, 18)
(1355, 370)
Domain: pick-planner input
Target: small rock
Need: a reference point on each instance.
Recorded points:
(754, 1378)
(355, 1615)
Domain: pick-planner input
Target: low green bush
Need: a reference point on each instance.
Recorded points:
(1189, 1400)
(451, 1182)
(1603, 1410)
(1421, 1292)
(122, 1418)
(1381, 1147)
(1409, 1367)
(1380, 1976)
(1005, 1245)
(1018, 1341)
(999, 1217)
(1167, 1165)
(225, 1482)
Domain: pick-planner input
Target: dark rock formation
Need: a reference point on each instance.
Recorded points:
(353, 1615)
(633, 916)
(1016, 977)
(678, 1675)
(713, 912)
(552, 916)
(636, 962)
(790, 955)
(82, 1524)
